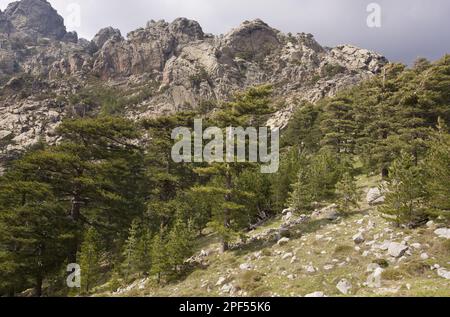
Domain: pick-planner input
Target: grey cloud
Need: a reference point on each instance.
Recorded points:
(410, 28)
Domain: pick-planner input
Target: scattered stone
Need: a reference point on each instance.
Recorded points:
(221, 281)
(292, 277)
(374, 279)
(424, 256)
(416, 245)
(443, 273)
(375, 196)
(287, 217)
(227, 288)
(430, 223)
(316, 294)
(372, 267)
(344, 286)
(283, 241)
(397, 250)
(287, 256)
(443, 233)
(246, 267)
(286, 211)
(328, 267)
(359, 238)
(293, 260)
(310, 269)
(327, 213)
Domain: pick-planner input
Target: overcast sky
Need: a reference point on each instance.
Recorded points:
(409, 28)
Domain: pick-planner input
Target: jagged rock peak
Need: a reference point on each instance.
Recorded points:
(36, 18)
(105, 35)
(186, 29)
(251, 39)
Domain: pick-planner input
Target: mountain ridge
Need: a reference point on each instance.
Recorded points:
(169, 67)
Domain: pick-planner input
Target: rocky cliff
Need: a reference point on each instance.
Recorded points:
(47, 73)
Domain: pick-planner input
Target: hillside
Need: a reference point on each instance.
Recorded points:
(318, 255)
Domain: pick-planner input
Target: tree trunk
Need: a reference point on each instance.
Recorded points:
(227, 212)
(385, 173)
(38, 286)
(75, 213)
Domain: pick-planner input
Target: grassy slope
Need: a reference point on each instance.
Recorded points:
(319, 244)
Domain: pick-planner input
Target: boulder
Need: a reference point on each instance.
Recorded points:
(443, 233)
(375, 196)
(246, 267)
(397, 250)
(344, 286)
(327, 213)
(374, 279)
(283, 241)
(221, 281)
(443, 273)
(359, 238)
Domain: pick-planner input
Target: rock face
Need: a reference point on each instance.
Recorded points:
(35, 18)
(175, 66)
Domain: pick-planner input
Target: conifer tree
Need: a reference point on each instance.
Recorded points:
(89, 258)
(247, 109)
(131, 251)
(348, 193)
(179, 245)
(406, 194)
(338, 125)
(32, 235)
(159, 255)
(437, 167)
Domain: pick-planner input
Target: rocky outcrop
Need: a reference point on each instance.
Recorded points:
(35, 18)
(184, 66)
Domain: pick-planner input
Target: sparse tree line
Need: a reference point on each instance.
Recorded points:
(121, 208)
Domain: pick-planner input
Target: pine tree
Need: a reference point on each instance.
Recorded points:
(348, 193)
(338, 125)
(179, 245)
(159, 255)
(286, 176)
(32, 235)
(97, 169)
(437, 168)
(89, 259)
(131, 255)
(405, 192)
(248, 108)
(301, 197)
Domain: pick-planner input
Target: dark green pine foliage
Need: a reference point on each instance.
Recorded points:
(338, 125)
(90, 259)
(180, 243)
(248, 108)
(33, 242)
(348, 194)
(437, 166)
(97, 171)
(405, 192)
